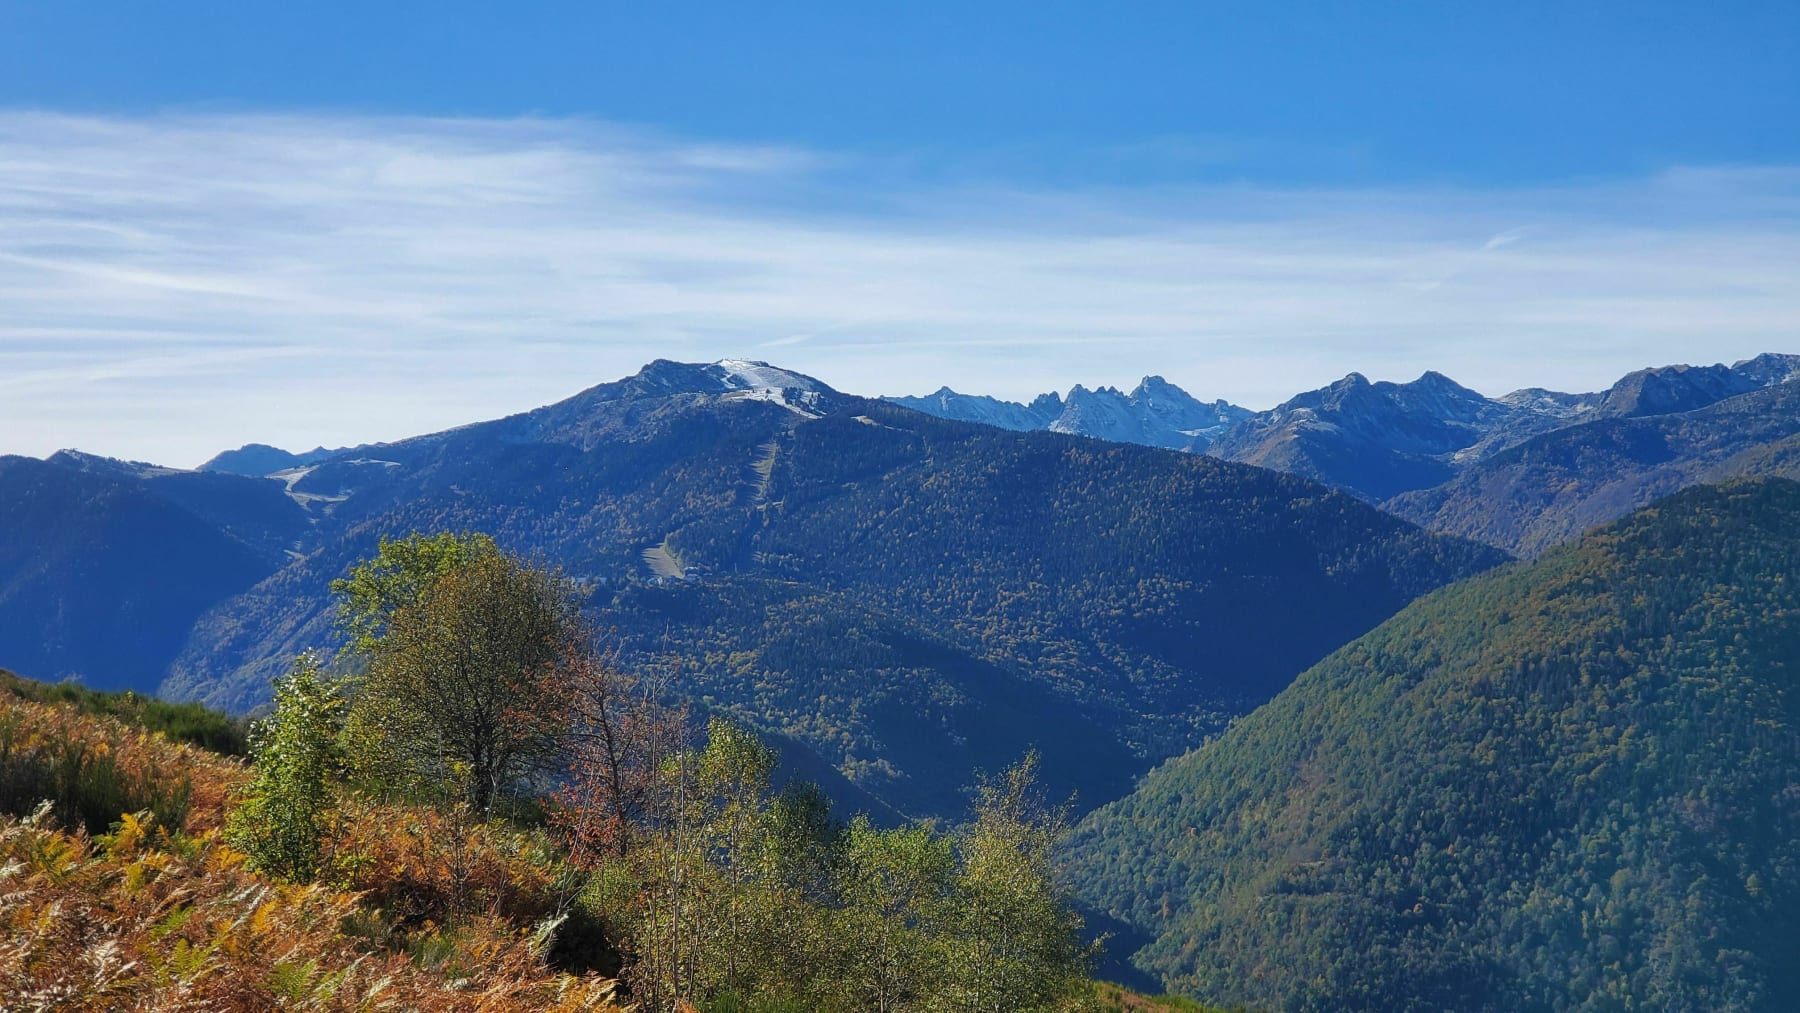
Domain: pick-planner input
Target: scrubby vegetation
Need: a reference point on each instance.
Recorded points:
(118, 891)
(1567, 785)
(93, 766)
(145, 918)
(347, 868)
(181, 722)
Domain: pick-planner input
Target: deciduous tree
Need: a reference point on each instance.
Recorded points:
(465, 695)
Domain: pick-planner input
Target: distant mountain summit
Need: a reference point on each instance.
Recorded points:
(1155, 414)
(1523, 470)
(1379, 440)
(255, 460)
(730, 379)
(1373, 439)
(727, 379)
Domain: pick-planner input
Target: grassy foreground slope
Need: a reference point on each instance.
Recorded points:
(116, 891)
(1573, 783)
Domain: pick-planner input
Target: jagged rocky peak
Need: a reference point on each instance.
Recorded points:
(1332, 395)
(1434, 392)
(1156, 413)
(1435, 382)
(1103, 413)
(1154, 391)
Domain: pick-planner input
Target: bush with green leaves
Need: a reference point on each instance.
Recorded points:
(282, 816)
(749, 898)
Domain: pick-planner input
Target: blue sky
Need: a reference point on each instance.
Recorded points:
(1316, 92)
(329, 223)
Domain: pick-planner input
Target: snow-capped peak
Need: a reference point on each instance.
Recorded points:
(747, 374)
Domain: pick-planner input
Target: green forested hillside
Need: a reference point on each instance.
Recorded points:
(1573, 783)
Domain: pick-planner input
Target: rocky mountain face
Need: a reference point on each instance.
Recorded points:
(1371, 439)
(1156, 413)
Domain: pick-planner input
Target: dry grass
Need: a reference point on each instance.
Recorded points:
(94, 768)
(167, 917)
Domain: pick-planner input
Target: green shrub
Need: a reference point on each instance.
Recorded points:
(281, 819)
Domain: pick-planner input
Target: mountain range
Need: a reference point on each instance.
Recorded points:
(1455, 460)
(865, 583)
(1156, 413)
(1388, 767)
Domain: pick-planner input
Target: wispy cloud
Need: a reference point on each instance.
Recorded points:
(175, 284)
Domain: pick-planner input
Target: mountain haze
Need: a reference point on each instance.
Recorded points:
(104, 567)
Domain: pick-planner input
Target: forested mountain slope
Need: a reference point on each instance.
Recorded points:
(909, 597)
(1573, 783)
(103, 571)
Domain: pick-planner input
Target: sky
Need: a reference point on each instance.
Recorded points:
(335, 223)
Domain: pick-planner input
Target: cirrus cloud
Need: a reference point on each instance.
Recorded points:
(179, 283)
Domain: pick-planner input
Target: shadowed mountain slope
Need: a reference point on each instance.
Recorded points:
(103, 572)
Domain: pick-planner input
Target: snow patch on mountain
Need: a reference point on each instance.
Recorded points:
(748, 374)
(804, 403)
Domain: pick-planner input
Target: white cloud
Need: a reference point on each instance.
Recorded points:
(176, 284)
